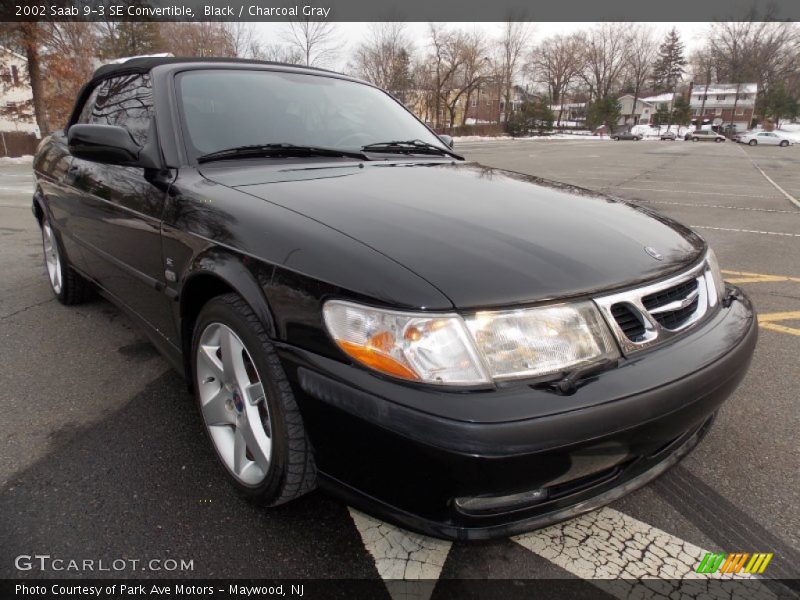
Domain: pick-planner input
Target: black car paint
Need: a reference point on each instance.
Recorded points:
(424, 233)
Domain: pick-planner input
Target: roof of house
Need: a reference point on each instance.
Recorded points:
(726, 88)
(660, 98)
(10, 51)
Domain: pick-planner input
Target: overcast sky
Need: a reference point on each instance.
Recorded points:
(351, 34)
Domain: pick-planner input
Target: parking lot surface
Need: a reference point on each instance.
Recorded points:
(104, 455)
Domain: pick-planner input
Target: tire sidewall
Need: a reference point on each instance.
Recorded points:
(61, 259)
(217, 311)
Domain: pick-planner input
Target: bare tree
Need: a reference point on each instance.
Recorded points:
(641, 53)
(476, 68)
(513, 42)
(243, 38)
(556, 62)
(316, 41)
(384, 58)
(604, 55)
(445, 60)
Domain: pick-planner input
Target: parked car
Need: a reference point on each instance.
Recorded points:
(766, 138)
(669, 135)
(706, 135)
(626, 135)
(461, 350)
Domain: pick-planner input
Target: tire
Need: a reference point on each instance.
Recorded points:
(784, 143)
(256, 394)
(752, 143)
(68, 287)
(695, 139)
(615, 138)
(717, 140)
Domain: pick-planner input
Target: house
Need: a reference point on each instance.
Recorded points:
(16, 97)
(572, 113)
(646, 107)
(722, 104)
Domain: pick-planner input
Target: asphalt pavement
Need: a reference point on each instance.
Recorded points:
(103, 455)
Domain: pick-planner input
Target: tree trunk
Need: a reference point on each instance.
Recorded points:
(30, 39)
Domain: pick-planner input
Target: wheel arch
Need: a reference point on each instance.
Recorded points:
(214, 273)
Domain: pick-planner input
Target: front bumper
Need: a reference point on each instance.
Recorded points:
(405, 454)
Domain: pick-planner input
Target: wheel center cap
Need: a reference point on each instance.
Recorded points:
(238, 401)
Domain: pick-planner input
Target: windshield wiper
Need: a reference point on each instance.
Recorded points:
(278, 150)
(410, 147)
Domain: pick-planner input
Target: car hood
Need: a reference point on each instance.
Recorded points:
(482, 236)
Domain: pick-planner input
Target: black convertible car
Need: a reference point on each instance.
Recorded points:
(461, 350)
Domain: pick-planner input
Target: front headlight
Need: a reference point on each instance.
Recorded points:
(539, 341)
(434, 349)
(451, 350)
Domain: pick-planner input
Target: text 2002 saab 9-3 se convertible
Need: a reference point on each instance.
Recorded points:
(463, 351)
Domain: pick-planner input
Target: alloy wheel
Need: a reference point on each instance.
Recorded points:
(52, 258)
(234, 404)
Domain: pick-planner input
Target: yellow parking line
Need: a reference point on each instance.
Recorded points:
(767, 321)
(745, 277)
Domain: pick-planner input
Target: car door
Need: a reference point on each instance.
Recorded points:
(118, 220)
(768, 138)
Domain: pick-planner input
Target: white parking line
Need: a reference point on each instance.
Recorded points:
(618, 554)
(689, 204)
(679, 191)
(401, 555)
(745, 230)
(789, 197)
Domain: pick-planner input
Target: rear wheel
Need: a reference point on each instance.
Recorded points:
(752, 143)
(615, 138)
(247, 405)
(67, 285)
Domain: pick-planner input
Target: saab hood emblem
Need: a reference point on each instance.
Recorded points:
(653, 252)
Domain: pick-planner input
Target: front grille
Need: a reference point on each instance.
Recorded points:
(662, 297)
(674, 319)
(653, 313)
(630, 324)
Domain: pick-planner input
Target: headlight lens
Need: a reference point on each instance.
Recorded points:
(434, 349)
(539, 341)
(716, 294)
(449, 350)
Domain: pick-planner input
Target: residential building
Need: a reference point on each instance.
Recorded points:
(723, 104)
(571, 113)
(646, 107)
(16, 97)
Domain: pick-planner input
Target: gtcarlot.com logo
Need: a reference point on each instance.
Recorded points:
(46, 562)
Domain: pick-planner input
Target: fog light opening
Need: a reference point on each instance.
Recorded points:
(477, 506)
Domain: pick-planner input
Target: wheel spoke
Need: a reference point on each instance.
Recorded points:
(257, 441)
(253, 393)
(239, 452)
(231, 355)
(209, 355)
(215, 412)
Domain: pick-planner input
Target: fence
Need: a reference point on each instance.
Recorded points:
(17, 143)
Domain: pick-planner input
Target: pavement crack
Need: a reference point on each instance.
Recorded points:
(26, 308)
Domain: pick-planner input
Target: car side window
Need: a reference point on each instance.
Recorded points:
(88, 106)
(125, 101)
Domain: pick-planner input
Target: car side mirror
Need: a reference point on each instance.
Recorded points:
(448, 141)
(107, 144)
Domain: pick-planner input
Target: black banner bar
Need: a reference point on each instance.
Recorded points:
(407, 10)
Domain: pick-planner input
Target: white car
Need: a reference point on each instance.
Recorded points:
(768, 138)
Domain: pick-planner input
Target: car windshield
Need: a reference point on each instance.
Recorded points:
(224, 109)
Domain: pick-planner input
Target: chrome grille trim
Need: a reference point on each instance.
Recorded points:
(705, 294)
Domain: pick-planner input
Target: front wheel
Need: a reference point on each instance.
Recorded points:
(247, 405)
(615, 138)
(695, 139)
(752, 143)
(784, 143)
(718, 140)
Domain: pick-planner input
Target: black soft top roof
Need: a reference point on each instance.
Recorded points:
(143, 64)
